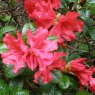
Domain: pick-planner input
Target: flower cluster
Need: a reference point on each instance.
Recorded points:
(40, 53)
(84, 74)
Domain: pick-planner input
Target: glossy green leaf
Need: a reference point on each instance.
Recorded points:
(16, 87)
(16, 83)
(62, 80)
(27, 26)
(74, 83)
(83, 47)
(4, 90)
(45, 87)
(84, 13)
(92, 34)
(8, 71)
(64, 83)
(21, 92)
(57, 75)
(6, 29)
(52, 91)
(3, 48)
(83, 93)
(52, 38)
(73, 56)
(6, 18)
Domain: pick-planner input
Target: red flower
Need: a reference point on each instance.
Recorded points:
(92, 80)
(58, 62)
(80, 70)
(40, 52)
(45, 74)
(17, 51)
(41, 11)
(55, 3)
(67, 25)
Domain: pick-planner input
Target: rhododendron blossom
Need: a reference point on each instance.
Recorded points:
(55, 3)
(57, 63)
(17, 51)
(41, 11)
(80, 70)
(38, 54)
(44, 16)
(67, 25)
(41, 48)
(92, 84)
(92, 79)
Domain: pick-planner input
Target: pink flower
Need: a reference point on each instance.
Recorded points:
(41, 11)
(45, 74)
(40, 52)
(80, 70)
(92, 84)
(17, 51)
(67, 25)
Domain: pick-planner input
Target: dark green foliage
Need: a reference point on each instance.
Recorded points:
(84, 46)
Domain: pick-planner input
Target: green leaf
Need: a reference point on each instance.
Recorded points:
(93, 52)
(90, 6)
(4, 90)
(84, 13)
(16, 83)
(8, 71)
(27, 72)
(92, 34)
(6, 18)
(52, 38)
(74, 83)
(72, 56)
(83, 93)
(3, 48)
(27, 26)
(12, 2)
(20, 92)
(57, 75)
(36, 92)
(91, 1)
(83, 47)
(89, 22)
(6, 29)
(62, 80)
(64, 83)
(52, 91)
(45, 87)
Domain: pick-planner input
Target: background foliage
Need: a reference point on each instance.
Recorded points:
(13, 16)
